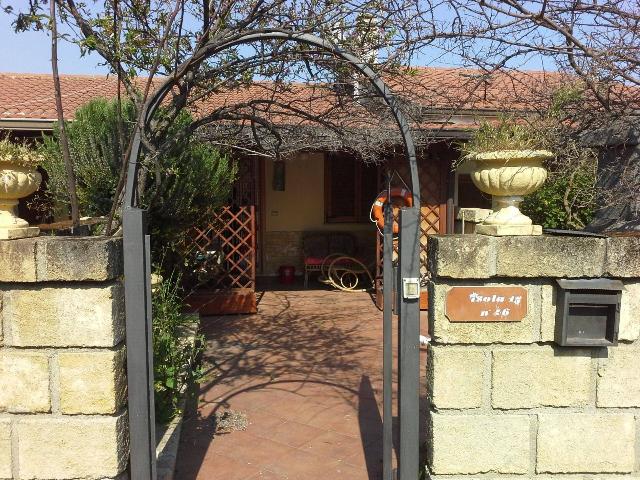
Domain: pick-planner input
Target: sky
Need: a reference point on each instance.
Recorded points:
(30, 52)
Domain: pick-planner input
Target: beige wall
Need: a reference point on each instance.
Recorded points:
(298, 209)
(301, 206)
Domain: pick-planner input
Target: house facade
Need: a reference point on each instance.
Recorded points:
(321, 190)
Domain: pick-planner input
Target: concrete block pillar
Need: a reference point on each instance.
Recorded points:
(62, 359)
(505, 400)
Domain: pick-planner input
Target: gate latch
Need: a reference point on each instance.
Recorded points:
(411, 288)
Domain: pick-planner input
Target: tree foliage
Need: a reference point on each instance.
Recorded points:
(96, 157)
(569, 197)
(190, 179)
(565, 201)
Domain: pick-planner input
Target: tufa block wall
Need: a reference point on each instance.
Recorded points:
(62, 359)
(505, 401)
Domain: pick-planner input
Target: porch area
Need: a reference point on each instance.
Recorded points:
(306, 370)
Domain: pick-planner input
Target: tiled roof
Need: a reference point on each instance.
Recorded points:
(31, 97)
(466, 89)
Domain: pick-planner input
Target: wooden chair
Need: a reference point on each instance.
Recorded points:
(315, 248)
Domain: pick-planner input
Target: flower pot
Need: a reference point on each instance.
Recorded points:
(16, 181)
(508, 175)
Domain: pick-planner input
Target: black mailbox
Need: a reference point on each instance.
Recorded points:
(588, 312)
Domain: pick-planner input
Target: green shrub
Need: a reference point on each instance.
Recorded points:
(508, 134)
(567, 200)
(18, 153)
(196, 180)
(175, 358)
(96, 156)
(182, 185)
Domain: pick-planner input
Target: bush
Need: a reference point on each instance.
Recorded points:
(18, 153)
(196, 180)
(568, 198)
(175, 358)
(182, 185)
(509, 133)
(96, 156)
(566, 201)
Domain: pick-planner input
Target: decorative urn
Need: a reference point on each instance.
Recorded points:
(508, 175)
(18, 179)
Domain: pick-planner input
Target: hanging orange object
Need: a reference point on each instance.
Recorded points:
(397, 194)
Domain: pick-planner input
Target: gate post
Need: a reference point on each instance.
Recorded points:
(137, 272)
(506, 396)
(387, 338)
(408, 348)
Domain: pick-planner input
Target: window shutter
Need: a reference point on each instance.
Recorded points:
(368, 189)
(341, 188)
(351, 187)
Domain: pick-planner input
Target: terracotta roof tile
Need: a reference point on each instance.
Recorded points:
(30, 96)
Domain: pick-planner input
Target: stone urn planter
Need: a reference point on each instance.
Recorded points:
(18, 179)
(508, 175)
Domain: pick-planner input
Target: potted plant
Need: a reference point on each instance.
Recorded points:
(18, 178)
(507, 162)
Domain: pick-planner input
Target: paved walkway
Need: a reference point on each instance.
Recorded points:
(307, 372)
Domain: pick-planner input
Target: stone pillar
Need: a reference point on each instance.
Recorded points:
(504, 398)
(62, 359)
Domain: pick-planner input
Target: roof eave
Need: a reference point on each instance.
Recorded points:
(27, 124)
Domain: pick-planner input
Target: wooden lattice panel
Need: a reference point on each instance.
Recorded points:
(231, 232)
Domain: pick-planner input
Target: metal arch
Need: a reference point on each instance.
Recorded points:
(212, 48)
(136, 244)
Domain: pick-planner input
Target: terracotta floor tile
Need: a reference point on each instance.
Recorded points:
(262, 421)
(306, 370)
(232, 441)
(293, 433)
(345, 419)
(216, 466)
(369, 455)
(299, 465)
(333, 445)
(262, 452)
(301, 411)
(267, 475)
(345, 471)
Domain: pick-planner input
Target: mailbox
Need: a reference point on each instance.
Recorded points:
(588, 312)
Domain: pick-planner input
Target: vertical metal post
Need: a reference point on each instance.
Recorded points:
(387, 336)
(408, 349)
(137, 290)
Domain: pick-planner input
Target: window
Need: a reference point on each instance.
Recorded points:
(351, 186)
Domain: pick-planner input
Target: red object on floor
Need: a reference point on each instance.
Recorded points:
(287, 274)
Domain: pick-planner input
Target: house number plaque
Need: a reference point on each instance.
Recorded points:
(486, 304)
